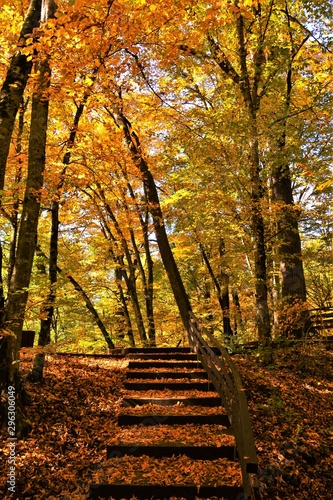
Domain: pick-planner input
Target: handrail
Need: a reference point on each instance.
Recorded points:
(225, 377)
(322, 318)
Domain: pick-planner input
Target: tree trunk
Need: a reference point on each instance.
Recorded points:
(222, 288)
(49, 8)
(148, 281)
(13, 87)
(168, 259)
(124, 308)
(288, 238)
(249, 88)
(27, 238)
(12, 215)
(147, 294)
(252, 102)
(260, 262)
(130, 278)
(289, 250)
(47, 309)
(238, 315)
(90, 306)
(120, 274)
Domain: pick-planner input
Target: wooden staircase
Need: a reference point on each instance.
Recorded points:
(159, 382)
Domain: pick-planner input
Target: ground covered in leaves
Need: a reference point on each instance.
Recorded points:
(74, 417)
(291, 407)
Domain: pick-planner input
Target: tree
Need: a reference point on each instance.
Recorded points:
(202, 116)
(27, 237)
(11, 93)
(134, 146)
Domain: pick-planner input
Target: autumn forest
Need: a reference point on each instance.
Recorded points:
(158, 159)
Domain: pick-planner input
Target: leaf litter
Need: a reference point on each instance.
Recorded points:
(74, 418)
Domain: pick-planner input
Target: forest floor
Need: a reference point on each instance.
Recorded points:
(74, 417)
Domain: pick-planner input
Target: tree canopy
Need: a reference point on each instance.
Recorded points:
(194, 135)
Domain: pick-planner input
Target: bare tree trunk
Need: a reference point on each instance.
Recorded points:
(12, 213)
(48, 307)
(238, 320)
(90, 306)
(120, 275)
(124, 309)
(260, 262)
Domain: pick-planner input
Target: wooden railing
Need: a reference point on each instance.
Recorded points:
(322, 318)
(224, 375)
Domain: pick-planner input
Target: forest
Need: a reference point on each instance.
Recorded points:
(158, 159)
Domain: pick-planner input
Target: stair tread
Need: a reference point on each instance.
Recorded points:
(164, 356)
(169, 419)
(158, 491)
(136, 350)
(189, 385)
(166, 374)
(163, 364)
(171, 446)
(169, 450)
(209, 401)
(156, 409)
(142, 388)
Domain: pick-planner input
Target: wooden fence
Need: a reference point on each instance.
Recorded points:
(225, 377)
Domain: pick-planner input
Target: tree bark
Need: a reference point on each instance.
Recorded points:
(238, 311)
(222, 293)
(91, 308)
(13, 87)
(249, 89)
(168, 259)
(27, 238)
(289, 250)
(130, 277)
(13, 214)
(47, 309)
(124, 308)
(120, 275)
(147, 280)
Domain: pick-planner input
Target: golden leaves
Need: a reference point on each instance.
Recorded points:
(168, 471)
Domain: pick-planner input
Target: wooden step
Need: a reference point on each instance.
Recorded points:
(160, 492)
(149, 419)
(154, 350)
(163, 364)
(159, 375)
(204, 401)
(163, 355)
(161, 450)
(172, 386)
